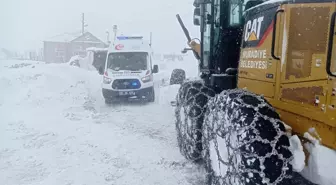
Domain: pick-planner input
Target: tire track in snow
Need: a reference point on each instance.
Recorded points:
(124, 116)
(127, 117)
(139, 120)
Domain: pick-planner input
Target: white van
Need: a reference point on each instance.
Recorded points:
(129, 71)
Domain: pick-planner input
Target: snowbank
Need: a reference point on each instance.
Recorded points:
(189, 64)
(168, 94)
(321, 164)
(55, 129)
(296, 148)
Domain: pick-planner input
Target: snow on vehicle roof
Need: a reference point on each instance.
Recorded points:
(125, 43)
(96, 49)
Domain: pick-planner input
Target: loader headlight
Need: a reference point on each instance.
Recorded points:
(146, 79)
(107, 80)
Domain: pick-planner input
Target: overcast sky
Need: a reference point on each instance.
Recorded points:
(26, 23)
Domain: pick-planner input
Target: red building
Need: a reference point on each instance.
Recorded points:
(61, 48)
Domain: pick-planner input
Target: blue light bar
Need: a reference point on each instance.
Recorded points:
(122, 38)
(129, 38)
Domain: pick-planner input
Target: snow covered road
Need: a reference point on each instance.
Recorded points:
(55, 129)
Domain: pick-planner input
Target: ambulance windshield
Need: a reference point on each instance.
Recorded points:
(133, 61)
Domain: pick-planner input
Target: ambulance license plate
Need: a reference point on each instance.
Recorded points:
(125, 93)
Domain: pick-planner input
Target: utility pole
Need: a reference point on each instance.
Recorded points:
(108, 37)
(115, 30)
(83, 23)
(150, 39)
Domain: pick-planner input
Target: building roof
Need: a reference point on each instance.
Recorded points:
(64, 37)
(87, 37)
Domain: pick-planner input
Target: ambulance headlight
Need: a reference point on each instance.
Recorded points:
(146, 79)
(107, 80)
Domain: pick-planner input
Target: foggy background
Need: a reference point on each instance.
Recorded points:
(26, 23)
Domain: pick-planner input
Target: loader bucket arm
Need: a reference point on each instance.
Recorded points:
(194, 46)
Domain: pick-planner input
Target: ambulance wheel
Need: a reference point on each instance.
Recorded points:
(151, 96)
(177, 76)
(109, 101)
(244, 141)
(191, 104)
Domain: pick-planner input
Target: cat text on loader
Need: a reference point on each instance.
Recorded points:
(267, 86)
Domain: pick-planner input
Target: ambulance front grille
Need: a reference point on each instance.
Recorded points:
(123, 84)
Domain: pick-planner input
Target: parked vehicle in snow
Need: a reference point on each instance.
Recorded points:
(128, 72)
(74, 61)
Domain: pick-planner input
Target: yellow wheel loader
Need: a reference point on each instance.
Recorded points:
(266, 92)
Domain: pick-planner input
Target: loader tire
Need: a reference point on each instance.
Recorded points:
(191, 102)
(178, 76)
(244, 141)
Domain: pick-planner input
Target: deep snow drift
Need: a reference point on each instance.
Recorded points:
(55, 129)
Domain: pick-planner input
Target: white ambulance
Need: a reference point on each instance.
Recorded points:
(129, 70)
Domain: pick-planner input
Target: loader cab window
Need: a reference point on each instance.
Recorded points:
(217, 16)
(236, 12)
(206, 34)
(216, 27)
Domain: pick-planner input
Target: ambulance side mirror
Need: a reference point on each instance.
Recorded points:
(101, 71)
(156, 69)
(197, 16)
